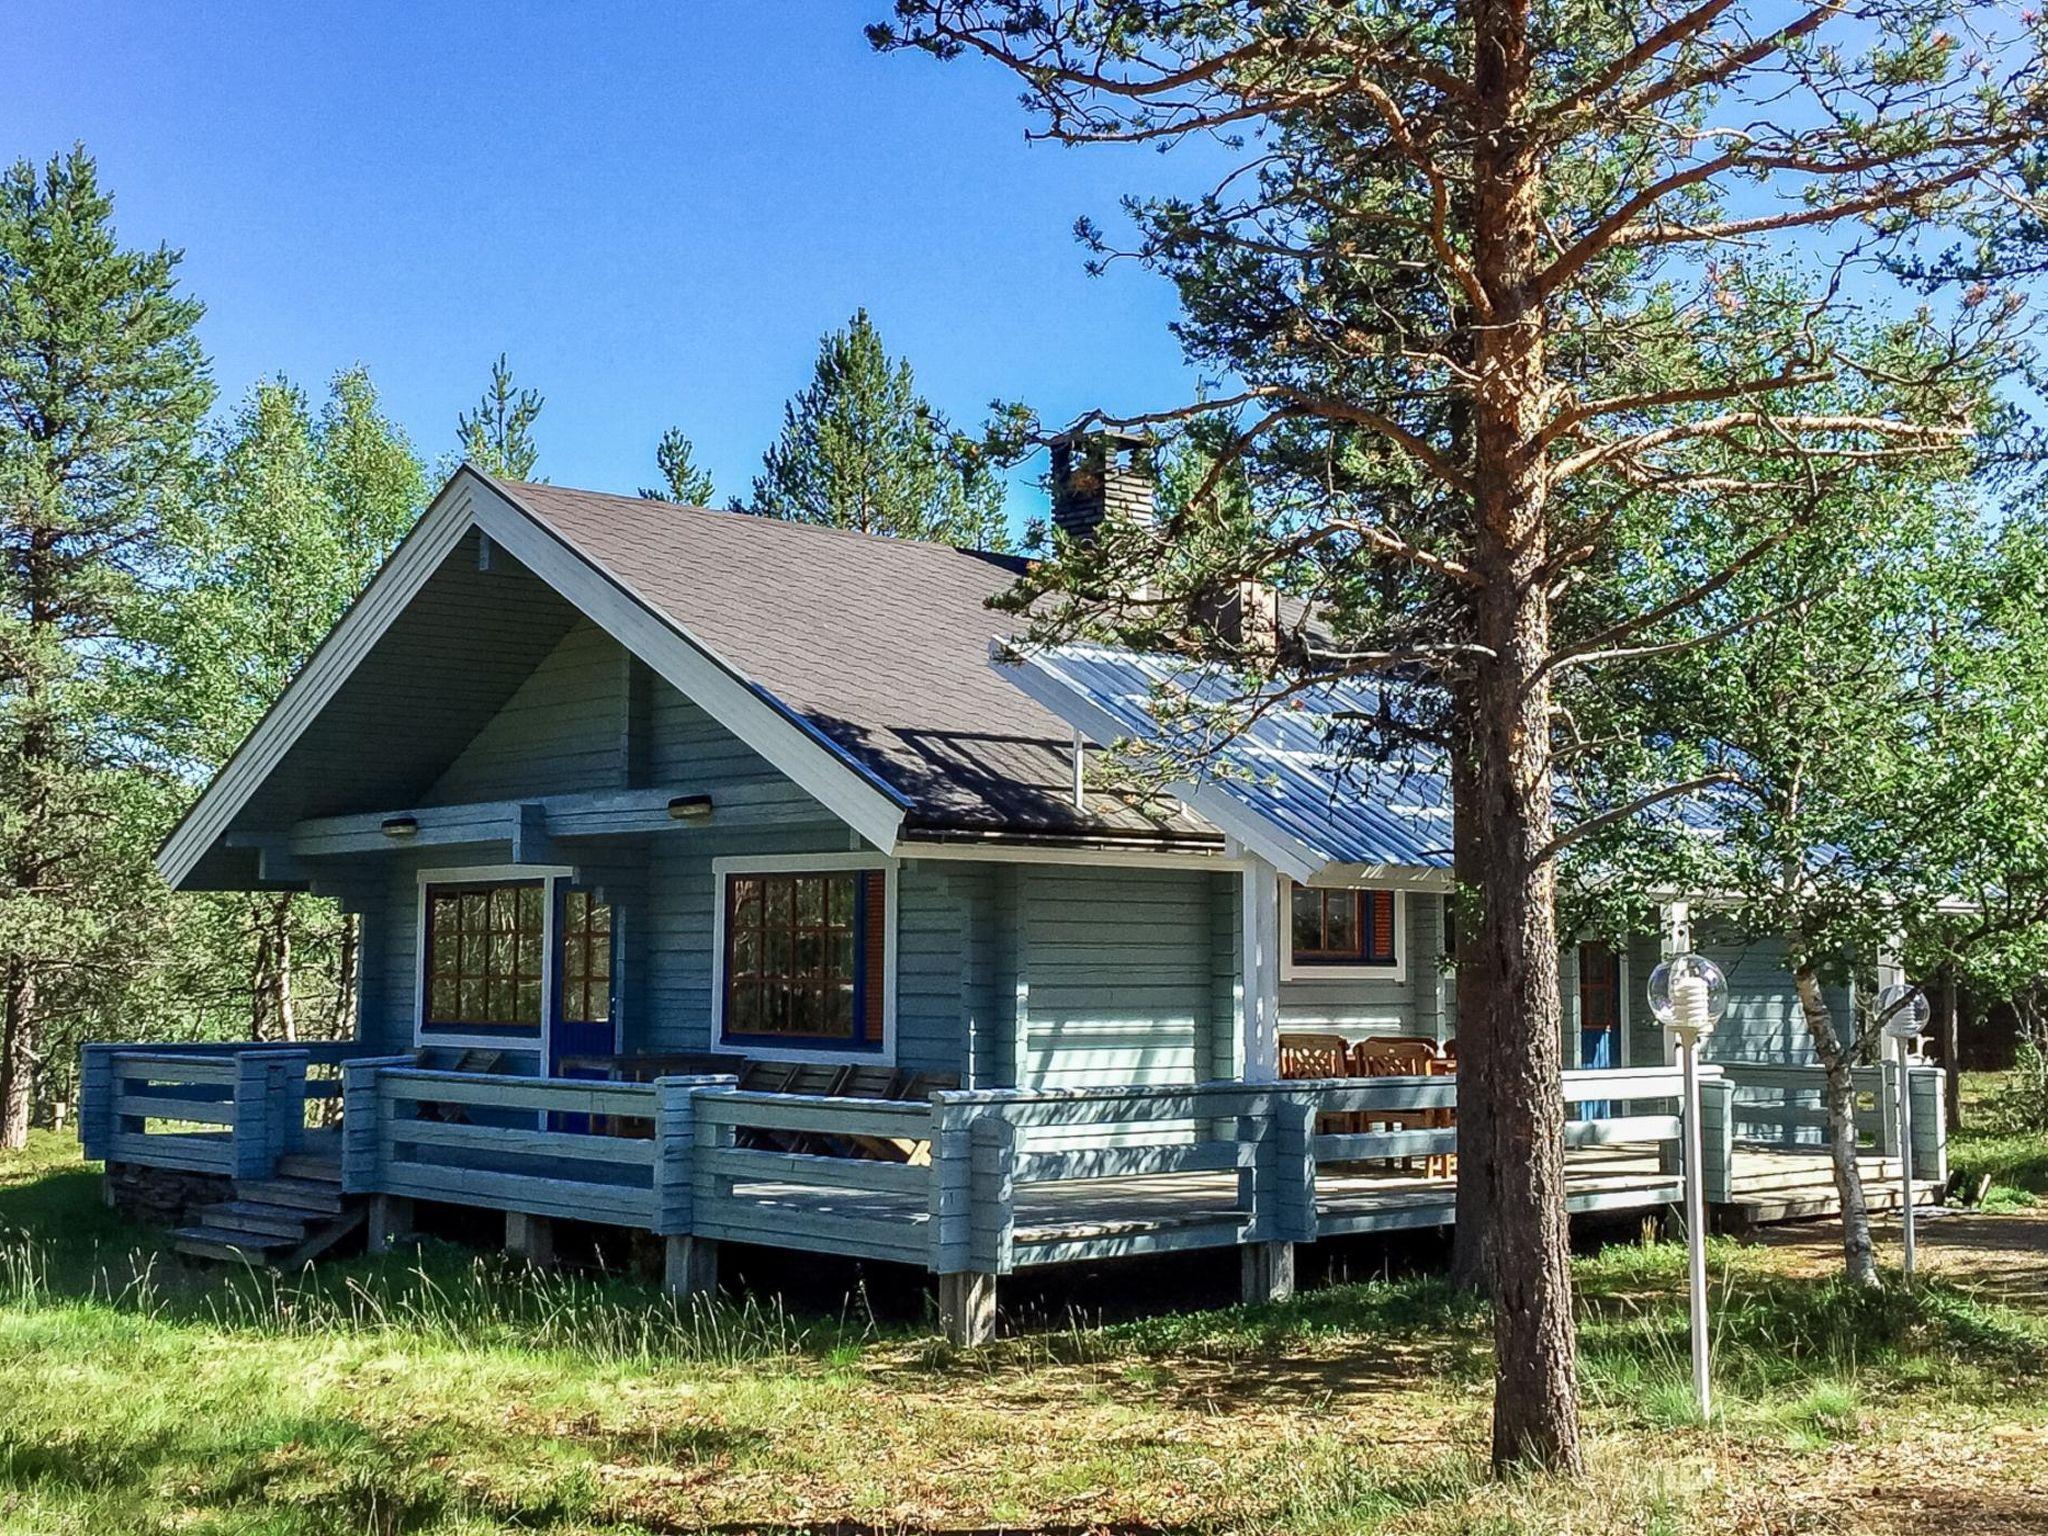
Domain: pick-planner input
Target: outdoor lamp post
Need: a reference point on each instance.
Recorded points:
(1688, 994)
(1902, 1014)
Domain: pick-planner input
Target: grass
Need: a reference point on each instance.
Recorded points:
(450, 1395)
(1998, 1143)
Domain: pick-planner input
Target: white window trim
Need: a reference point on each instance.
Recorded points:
(723, 869)
(1290, 971)
(490, 874)
(1624, 1006)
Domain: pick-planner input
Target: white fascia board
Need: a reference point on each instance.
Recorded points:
(416, 559)
(469, 500)
(1041, 681)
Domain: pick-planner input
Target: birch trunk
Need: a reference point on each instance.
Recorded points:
(283, 1001)
(1859, 1258)
(345, 965)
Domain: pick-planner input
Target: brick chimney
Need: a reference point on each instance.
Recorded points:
(1100, 477)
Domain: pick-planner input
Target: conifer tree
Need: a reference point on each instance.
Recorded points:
(1499, 285)
(497, 437)
(683, 481)
(102, 390)
(861, 449)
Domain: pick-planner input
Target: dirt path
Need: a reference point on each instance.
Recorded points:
(2004, 1256)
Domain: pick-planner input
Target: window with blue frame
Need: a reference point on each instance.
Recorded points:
(483, 945)
(1333, 927)
(803, 958)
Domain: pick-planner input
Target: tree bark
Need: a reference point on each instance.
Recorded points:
(1535, 1414)
(1471, 1265)
(1859, 1257)
(17, 1055)
(347, 959)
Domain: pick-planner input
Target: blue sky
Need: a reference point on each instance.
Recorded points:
(654, 209)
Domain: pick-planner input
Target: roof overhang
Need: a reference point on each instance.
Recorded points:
(472, 500)
(1038, 676)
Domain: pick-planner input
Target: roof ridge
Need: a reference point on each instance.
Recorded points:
(513, 488)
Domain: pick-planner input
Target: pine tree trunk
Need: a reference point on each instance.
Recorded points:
(1859, 1259)
(17, 1055)
(1535, 1383)
(1535, 1409)
(1470, 1264)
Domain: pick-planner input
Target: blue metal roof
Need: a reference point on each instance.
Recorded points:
(1287, 767)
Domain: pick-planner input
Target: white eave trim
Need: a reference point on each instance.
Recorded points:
(470, 500)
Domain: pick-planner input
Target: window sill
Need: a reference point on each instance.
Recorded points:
(759, 1048)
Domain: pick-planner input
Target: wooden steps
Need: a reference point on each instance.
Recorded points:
(280, 1222)
(1803, 1189)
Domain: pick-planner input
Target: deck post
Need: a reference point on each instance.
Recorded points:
(268, 1087)
(390, 1222)
(1925, 1086)
(689, 1265)
(992, 1219)
(1268, 1273)
(530, 1237)
(96, 1088)
(950, 1205)
(967, 1307)
(1259, 970)
(1717, 1139)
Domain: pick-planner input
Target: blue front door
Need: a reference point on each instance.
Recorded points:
(585, 1031)
(1599, 1015)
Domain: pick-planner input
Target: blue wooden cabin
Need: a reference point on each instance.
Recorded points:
(729, 878)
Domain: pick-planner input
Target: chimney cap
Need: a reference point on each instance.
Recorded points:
(1119, 437)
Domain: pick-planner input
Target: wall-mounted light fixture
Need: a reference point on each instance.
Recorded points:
(401, 827)
(690, 808)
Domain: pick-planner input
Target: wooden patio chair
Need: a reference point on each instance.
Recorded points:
(478, 1059)
(1400, 1056)
(1313, 1057)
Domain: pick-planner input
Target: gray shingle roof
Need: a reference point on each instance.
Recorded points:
(880, 644)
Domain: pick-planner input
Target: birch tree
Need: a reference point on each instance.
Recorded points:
(294, 514)
(1479, 282)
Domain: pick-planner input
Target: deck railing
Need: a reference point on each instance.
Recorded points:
(996, 1147)
(970, 1184)
(567, 1148)
(231, 1108)
(842, 1175)
(1784, 1108)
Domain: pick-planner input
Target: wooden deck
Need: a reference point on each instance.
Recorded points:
(970, 1185)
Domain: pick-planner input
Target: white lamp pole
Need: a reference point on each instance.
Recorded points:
(1688, 994)
(1902, 1013)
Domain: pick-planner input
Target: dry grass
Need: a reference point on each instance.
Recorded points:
(458, 1398)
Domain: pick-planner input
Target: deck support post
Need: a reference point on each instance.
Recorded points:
(967, 1307)
(689, 1265)
(1259, 971)
(530, 1237)
(390, 1222)
(1268, 1272)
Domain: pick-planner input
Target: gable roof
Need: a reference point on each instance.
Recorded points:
(855, 663)
(878, 643)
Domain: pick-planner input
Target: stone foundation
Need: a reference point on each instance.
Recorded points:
(161, 1197)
